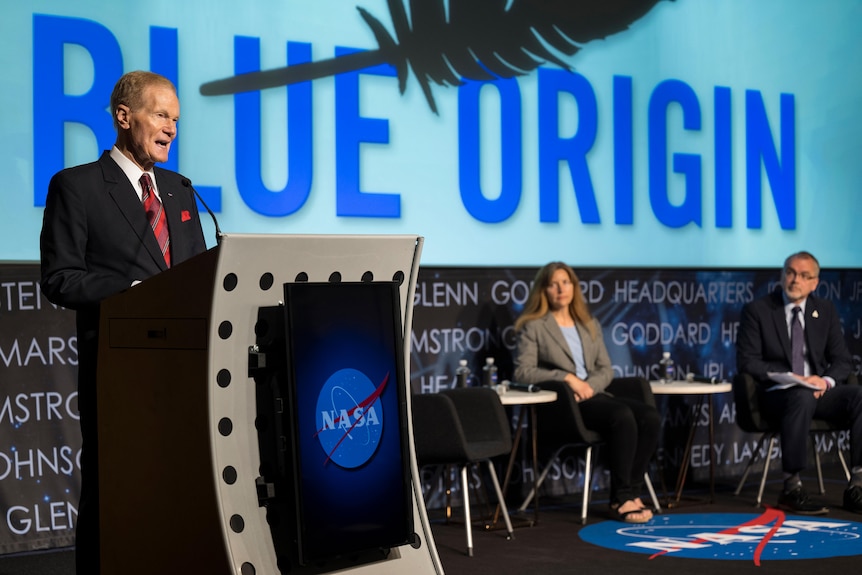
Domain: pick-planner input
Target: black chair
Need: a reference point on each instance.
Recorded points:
(561, 426)
(750, 420)
(463, 427)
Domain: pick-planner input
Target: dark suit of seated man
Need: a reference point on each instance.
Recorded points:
(766, 343)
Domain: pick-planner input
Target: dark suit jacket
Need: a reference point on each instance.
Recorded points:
(95, 236)
(543, 354)
(763, 343)
(96, 241)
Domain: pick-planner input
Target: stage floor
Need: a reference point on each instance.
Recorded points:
(696, 537)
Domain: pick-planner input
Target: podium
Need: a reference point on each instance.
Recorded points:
(178, 448)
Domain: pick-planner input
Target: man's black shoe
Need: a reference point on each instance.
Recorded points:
(797, 501)
(853, 499)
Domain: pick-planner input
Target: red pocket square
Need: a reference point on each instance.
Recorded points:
(186, 216)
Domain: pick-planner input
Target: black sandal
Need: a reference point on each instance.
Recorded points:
(628, 516)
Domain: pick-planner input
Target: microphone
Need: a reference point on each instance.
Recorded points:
(528, 387)
(188, 183)
(690, 377)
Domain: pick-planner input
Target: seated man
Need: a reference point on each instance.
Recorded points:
(792, 330)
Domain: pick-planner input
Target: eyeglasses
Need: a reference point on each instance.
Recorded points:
(804, 276)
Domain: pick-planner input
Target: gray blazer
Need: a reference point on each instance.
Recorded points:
(544, 355)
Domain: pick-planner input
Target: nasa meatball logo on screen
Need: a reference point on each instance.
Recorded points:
(350, 418)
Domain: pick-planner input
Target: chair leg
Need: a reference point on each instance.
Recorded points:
(841, 458)
(502, 501)
(751, 463)
(656, 505)
(465, 489)
(766, 461)
(436, 479)
(744, 477)
(447, 473)
(843, 463)
(819, 467)
(532, 492)
(539, 481)
(587, 483)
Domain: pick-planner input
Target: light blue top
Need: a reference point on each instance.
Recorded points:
(573, 338)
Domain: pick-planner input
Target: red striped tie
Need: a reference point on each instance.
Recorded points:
(156, 216)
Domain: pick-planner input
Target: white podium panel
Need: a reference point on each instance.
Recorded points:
(178, 445)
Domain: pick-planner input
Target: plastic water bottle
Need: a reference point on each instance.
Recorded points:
(462, 373)
(489, 372)
(666, 368)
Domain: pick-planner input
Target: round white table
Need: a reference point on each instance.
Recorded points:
(686, 388)
(704, 392)
(515, 397)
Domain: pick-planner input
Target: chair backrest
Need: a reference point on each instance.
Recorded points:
(560, 422)
(460, 426)
(437, 432)
(633, 387)
(748, 415)
(745, 395)
(484, 420)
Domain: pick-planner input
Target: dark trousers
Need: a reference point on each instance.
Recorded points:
(630, 429)
(791, 411)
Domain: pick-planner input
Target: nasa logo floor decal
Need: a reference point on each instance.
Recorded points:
(770, 536)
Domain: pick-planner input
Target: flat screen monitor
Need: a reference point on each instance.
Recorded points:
(347, 417)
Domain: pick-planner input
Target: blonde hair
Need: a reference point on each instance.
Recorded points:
(129, 90)
(537, 302)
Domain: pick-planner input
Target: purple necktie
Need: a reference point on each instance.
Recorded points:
(797, 336)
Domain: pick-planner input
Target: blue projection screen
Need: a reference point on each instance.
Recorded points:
(706, 133)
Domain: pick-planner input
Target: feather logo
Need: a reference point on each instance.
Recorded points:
(448, 41)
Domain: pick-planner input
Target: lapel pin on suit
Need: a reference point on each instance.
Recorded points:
(814, 314)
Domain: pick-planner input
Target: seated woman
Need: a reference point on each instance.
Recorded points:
(559, 340)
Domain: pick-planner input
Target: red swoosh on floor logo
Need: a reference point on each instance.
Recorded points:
(768, 516)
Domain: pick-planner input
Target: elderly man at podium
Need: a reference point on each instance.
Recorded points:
(108, 225)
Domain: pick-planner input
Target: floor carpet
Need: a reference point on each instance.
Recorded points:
(559, 544)
(556, 543)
